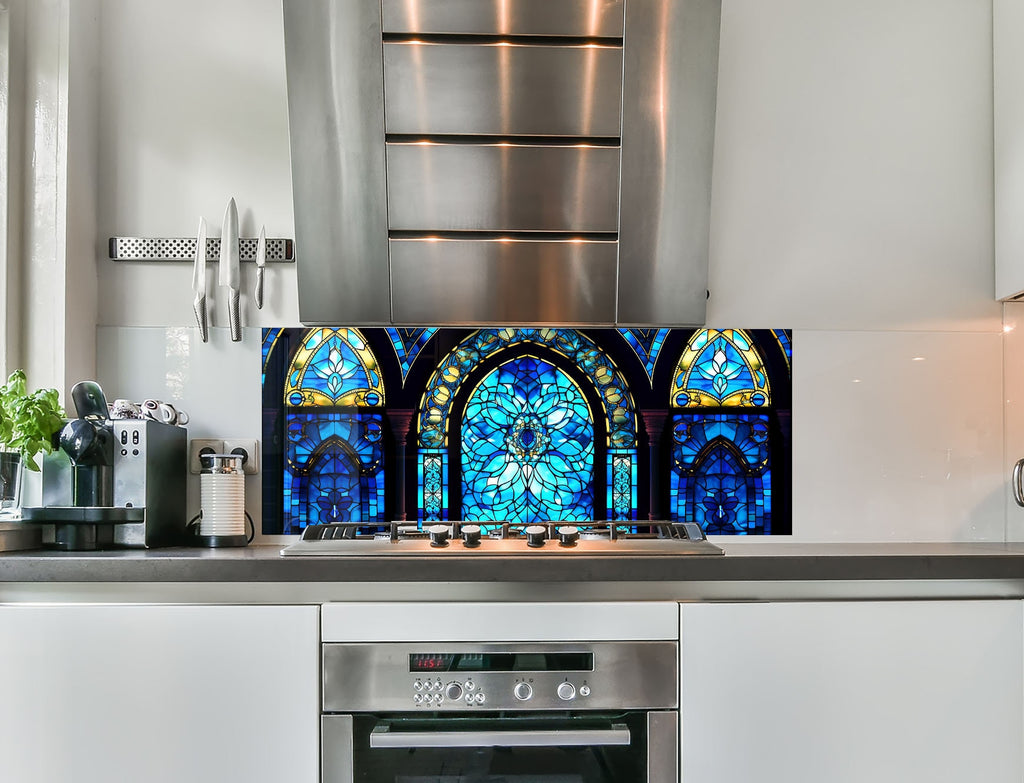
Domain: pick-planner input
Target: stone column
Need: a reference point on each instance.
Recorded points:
(654, 423)
(400, 421)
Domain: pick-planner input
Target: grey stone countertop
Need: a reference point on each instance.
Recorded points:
(747, 561)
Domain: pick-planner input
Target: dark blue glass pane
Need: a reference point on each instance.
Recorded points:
(333, 468)
(721, 473)
(646, 343)
(408, 343)
(527, 446)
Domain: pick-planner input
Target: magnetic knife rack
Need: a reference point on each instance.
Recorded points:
(279, 251)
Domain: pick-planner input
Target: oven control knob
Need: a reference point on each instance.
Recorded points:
(566, 691)
(535, 535)
(568, 535)
(453, 692)
(522, 691)
(471, 535)
(584, 690)
(438, 535)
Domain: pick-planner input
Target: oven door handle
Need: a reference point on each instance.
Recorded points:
(383, 737)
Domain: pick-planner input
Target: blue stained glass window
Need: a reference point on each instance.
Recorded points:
(269, 338)
(721, 475)
(622, 484)
(527, 446)
(784, 336)
(334, 468)
(334, 367)
(408, 343)
(720, 368)
(433, 485)
(646, 343)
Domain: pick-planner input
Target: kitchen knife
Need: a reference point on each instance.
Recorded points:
(261, 262)
(229, 274)
(199, 281)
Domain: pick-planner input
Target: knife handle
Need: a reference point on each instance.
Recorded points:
(258, 293)
(234, 317)
(199, 305)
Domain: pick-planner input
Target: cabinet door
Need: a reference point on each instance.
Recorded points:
(852, 692)
(159, 694)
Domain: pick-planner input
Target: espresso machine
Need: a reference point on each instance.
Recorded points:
(113, 483)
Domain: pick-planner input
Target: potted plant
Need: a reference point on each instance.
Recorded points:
(28, 424)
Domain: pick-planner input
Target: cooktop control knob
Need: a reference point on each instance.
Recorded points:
(535, 535)
(568, 535)
(438, 535)
(566, 691)
(471, 535)
(453, 692)
(523, 691)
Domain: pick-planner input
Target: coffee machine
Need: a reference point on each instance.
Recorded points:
(113, 483)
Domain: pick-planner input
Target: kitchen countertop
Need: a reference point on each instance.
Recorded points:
(748, 571)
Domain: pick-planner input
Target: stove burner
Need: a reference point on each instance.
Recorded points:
(503, 538)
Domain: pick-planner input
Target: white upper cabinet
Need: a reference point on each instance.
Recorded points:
(1008, 134)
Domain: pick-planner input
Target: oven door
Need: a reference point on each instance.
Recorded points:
(631, 747)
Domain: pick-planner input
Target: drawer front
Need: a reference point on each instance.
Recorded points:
(517, 281)
(502, 187)
(596, 18)
(505, 90)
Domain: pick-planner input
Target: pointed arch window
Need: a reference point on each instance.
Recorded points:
(527, 446)
(491, 454)
(721, 461)
(333, 452)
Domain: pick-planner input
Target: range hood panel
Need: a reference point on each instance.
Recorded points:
(487, 187)
(592, 18)
(502, 90)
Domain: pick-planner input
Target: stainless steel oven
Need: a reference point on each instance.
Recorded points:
(518, 712)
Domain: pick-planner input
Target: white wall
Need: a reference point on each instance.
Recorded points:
(852, 202)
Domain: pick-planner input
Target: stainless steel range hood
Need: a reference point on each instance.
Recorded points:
(502, 161)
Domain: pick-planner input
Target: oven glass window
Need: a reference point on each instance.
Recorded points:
(541, 760)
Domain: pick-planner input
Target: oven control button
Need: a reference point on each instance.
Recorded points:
(470, 685)
(522, 691)
(584, 690)
(536, 535)
(479, 698)
(417, 686)
(438, 535)
(453, 691)
(566, 691)
(438, 698)
(417, 699)
(469, 699)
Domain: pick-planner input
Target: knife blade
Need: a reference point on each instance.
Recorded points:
(199, 282)
(261, 262)
(228, 272)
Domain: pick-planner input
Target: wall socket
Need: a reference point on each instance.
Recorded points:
(249, 447)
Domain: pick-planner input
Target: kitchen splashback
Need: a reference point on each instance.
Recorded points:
(527, 424)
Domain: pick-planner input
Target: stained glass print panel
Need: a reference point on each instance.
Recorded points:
(527, 446)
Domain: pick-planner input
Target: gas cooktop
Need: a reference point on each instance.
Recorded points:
(454, 539)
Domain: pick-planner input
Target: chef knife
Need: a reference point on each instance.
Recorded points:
(229, 274)
(199, 281)
(261, 262)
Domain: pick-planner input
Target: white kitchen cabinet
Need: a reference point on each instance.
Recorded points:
(852, 692)
(159, 694)
(1008, 139)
